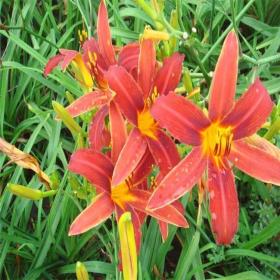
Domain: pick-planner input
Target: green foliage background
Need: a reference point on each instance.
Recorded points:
(33, 235)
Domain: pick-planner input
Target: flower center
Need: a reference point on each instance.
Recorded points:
(147, 124)
(121, 194)
(217, 141)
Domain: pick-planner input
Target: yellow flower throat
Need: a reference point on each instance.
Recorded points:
(121, 194)
(146, 123)
(217, 141)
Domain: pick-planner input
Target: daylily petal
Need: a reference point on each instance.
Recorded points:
(94, 166)
(222, 90)
(224, 207)
(250, 111)
(91, 50)
(179, 180)
(52, 63)
(104, 35)
(168, 214)
(263, 144)
(143, 169)
(163, 227)
(100, 209)
(164, 152)
(169, 75)
(146, 66)
(256, 162)
(90, 45)
(68, 57)
(181, 117)
(118, 131)
(128, 57)
(130, 156)
(96, 128)
(88, 102)
(129, 96)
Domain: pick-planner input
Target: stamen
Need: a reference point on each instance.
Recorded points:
(83, 35)
(217, 142)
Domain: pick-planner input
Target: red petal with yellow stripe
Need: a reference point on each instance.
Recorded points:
(146, 66)
(118, 131)
(104, 35)
(129, 96)
(96, 129)
(100, 209)
(181, 117)
(250, 111)
(94, 166)
(129, 157)
(222, 90)
(88, 102)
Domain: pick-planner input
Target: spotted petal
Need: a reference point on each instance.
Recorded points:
(179, 180)
(224, 207)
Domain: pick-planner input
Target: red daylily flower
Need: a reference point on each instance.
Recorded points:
(135, 99)
(130, 195)
(98, 168)
(219, 140)
(90, 65)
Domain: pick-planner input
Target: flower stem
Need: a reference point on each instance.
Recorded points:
(273, 130)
